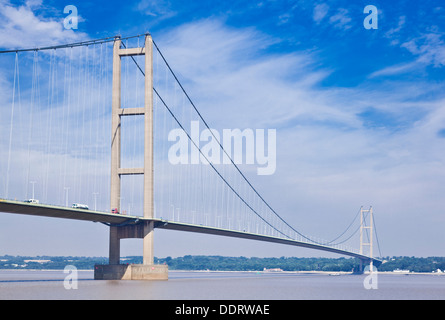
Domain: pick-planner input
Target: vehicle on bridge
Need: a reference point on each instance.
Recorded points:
(115, 211)
(80, 206)
(35, 201)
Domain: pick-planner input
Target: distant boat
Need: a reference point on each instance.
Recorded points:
(400, 271)
(273, 270)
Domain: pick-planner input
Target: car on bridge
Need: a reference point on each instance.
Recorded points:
(80, 206)
(115, 211)
(34, 201)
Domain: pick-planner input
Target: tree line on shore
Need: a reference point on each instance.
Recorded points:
(222, 263)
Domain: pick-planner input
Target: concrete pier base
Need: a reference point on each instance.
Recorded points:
(130, 272)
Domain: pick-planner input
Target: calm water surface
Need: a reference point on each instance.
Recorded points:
(184, 285)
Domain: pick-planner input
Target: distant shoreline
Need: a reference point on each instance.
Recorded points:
(329, 273)
(339, 273)
(337, 266)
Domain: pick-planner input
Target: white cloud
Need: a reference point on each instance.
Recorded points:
(284, 18)
(395, 70)
(430, 49)
(320, 12)
(427, 49)
(341, 19)
(394, 31)
(22, 28)
(157, 8)
(225, 72)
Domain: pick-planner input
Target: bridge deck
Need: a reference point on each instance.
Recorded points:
(18, 207)
(50, 211)
(170, 225)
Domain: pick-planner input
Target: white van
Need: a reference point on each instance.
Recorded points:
(80, 206)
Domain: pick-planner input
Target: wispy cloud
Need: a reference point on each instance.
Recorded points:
(22, 28)
(320, 12)
(161, 9)
(341, 19)
(395, 70)
(394, 32)
(426, 50)
(429, 48)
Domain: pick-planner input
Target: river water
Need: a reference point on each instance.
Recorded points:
(183, 285)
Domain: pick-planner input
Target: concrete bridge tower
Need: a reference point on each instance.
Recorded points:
(142, 230)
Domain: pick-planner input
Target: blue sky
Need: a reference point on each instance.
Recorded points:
(360, 113)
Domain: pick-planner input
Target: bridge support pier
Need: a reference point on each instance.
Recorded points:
(142, 230)
(138, 231)
(145, 271)
(131, 272)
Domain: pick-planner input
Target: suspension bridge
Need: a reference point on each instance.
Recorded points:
(63, 103)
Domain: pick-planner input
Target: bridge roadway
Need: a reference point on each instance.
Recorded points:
(18, 207)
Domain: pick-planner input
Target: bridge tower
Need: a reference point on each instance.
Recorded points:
(363, 229)
(144, 229)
